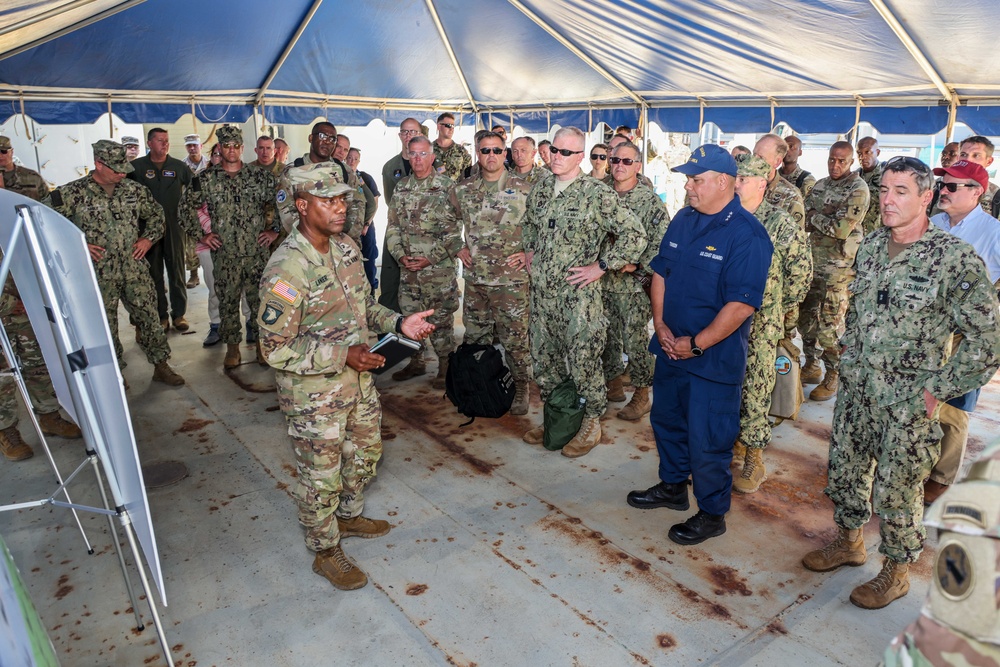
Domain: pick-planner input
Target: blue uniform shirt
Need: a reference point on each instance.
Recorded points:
(706, 261)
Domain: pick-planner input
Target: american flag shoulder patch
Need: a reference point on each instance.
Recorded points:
(285, 291)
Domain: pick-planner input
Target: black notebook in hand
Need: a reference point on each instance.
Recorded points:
(394, 348)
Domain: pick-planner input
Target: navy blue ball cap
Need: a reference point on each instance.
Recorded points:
(708, 158)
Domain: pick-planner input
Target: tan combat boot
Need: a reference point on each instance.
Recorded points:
(52, 423)
(416, 367)
(739, 454)
(892, 583)
(12, 447)
(520, 404)
(535, 436)
(439, 381)
(616, 391)
(586, 438)
(753, 474)
(162, 372)
(828, 389)
(334, 565)
(362, 526)
(811, 372)
(638, 407)
(165, 324)
(193, 280)
(181, 324)
(848, 548)
(232, 359)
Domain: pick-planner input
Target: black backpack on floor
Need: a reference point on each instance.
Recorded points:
(478, 382)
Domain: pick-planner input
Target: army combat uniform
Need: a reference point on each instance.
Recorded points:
(496, 295)
(333, 169)
(808, 180)
(423, 223)
(626, 304)
(873, 218)
(568, 326)
(834, 211)
(451, 161)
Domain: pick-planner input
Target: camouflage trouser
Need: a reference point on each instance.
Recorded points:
(628, 316)
(500, 312)
(927, 642)
(33, 370)
(135, 291)
(234, 277)
(758, 383)
(568, 331)
(892, 448)
(821, 316)
(437, 289)
(791, 322)
(190, 253)
(336, 454)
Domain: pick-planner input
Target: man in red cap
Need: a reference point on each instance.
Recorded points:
(963, 184)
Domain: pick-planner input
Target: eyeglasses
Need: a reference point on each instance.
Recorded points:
(323, 136)
(406, 133)
(565, 152)
(953, 187)
(911, 162)
(598, 156)
(627, 161)
(496, 150)
(448, 125)
(420, 153)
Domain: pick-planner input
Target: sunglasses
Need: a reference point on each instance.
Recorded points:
(565, 152)
(598, 156)
(911, 162)
(4, 151)
(323, 136)
(495, 150)
(627, 161)
(953, 187)
(230, 144)
(408, 132)
(448, 125)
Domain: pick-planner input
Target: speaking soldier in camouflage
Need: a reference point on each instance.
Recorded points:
(424, 234)
(315, 316)
(30, 184)
(626, 303)
(495, 306)
(450, 158)
(870, 172)
(109, 209)
(835, 209)
(240, 201)
(916, 285)
(567, 224)
(787, 281)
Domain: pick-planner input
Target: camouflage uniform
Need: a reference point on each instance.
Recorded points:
(313, 308)
(835, 210)
(334, 169)
(873, 218)
(536, 174)
(626, 304)
(929, 643)
(568, 328)
(239, 207)
(807, 183)
(22, 337)
(496, 295)
(902, 315)
(423, 223)
(276, 168)
(113, 222)
(452, 161)
(782, 194)
(787, 282)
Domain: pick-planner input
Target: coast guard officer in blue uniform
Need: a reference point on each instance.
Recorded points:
(708, 280)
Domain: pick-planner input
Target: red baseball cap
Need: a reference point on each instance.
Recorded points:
(966, 169)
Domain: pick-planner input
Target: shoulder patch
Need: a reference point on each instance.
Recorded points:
(965, 285)
(272, 311)
(196, 183)
(285, 291)
(281, 196)
(56, 197)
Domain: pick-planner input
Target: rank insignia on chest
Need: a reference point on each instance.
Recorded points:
(150, 173)
(882, 298)
(552, 223)
(285, 291)
(272, 311)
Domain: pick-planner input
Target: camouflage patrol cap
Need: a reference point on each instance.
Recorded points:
(4, 143)
(112, 154)
(317, 179)
(229, 135)
(130, 141)
(752, 165)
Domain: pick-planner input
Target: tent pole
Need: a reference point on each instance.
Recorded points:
(451, 54)
(912, 47)
(111, 120)
(952, 117)
(288, 49)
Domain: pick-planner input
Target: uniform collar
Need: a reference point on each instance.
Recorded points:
(307, 249)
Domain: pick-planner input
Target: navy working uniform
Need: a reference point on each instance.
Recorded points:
(706, 261)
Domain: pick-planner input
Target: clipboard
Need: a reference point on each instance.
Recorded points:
(394, 348)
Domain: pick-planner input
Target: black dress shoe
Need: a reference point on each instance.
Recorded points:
(698, 528)
(673, 496)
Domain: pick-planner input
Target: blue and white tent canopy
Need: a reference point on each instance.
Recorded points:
(908, 66)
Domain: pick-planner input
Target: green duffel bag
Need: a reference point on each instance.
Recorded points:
(563, 415)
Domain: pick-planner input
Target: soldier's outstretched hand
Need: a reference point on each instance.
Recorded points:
(360, 359)
(416, 326)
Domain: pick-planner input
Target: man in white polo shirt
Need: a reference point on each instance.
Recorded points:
(963, 185)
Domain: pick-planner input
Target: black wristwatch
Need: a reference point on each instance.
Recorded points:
(695, 350)
(603, 265)
(399, 324)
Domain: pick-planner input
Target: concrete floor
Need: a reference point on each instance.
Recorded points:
(500, 553)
